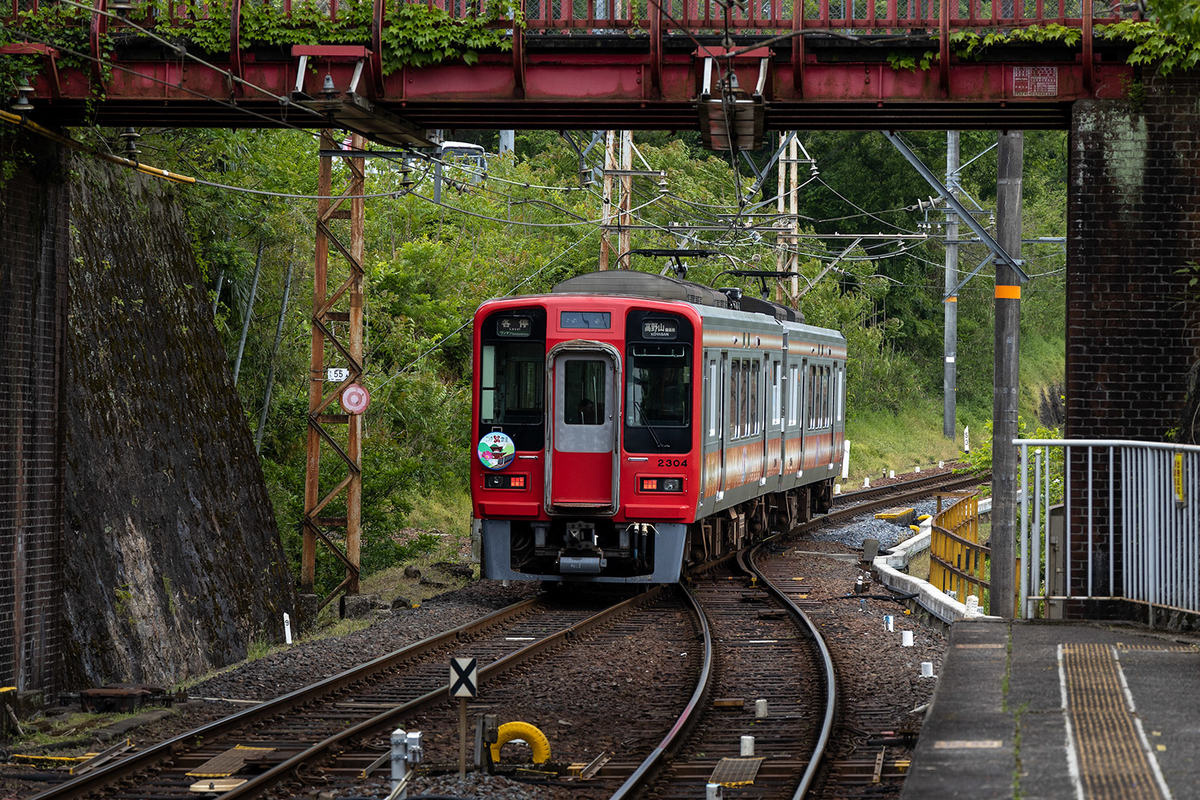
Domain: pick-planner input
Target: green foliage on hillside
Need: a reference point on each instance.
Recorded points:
(527, 226)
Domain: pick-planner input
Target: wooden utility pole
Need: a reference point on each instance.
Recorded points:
(341, 307)
(780, 242)
(794, 211)
(950, 333)
(1010, 161)
(610, 163)
(625, 231)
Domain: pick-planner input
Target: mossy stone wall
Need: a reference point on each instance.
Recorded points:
(173, 560)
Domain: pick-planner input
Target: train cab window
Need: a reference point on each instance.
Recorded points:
(658, 397)
(658, 388)
(584, 392)
(510, 383)
(511, 375)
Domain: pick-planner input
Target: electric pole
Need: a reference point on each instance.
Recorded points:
(1010, 161)
(794, 211)
(625, 220)
(950, 372)
(610, 163)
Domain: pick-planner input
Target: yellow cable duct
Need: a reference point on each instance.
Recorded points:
(66, 141)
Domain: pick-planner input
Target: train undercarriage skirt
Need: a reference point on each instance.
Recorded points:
(670, 539)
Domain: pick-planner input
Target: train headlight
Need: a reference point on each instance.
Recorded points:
(662, 484)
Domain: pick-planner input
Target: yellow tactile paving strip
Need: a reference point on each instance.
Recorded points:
(1155, 648)
(1113, 765)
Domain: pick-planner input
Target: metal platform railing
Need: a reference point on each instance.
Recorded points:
(1108, 520)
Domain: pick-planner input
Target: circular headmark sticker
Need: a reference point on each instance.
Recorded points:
(496, 450)
(355, 399)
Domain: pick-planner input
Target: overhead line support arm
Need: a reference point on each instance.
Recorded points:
(965, 216)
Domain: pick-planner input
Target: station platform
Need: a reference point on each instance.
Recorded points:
(1061, 711)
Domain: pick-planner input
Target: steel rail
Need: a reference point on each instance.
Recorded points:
(924, 480)
(647, 770)
(93, 781)
(883, 501)
(381, 722)
(814, 763)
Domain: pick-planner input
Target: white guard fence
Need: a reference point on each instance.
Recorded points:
(1108, 520)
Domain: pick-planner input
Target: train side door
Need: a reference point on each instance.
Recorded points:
(583, 449)
(839, 406)
(760, 402)
(777, 418)
(714, 390)
(805, 412)
(723, 422)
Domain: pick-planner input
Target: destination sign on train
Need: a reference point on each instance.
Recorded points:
(659, 329)
(514, 327)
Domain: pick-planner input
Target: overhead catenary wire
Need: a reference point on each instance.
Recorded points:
(287, 102)
(730, 226)
(460, 328)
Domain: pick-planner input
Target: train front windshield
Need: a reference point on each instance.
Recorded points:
(659, 386)
(510, 386)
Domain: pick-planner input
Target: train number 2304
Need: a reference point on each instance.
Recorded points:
(672, 462)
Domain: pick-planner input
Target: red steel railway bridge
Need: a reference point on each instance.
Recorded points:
(615, 64)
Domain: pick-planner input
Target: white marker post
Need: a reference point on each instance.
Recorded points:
(464, 683)
(846, 460)
(287, 628)
(967, 439)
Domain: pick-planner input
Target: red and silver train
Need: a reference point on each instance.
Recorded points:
(630, 423)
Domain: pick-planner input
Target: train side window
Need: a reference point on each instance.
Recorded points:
(828, 395)
(735, 408)
(793, 404)
(714, 398)
(745, 413)
(755, 414)
(825, 420)
(776, 394)
(822, 389)
(812, 396)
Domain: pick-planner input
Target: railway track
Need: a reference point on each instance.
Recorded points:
(853, 504)
(756, 643)
(765, 664)
(334, 728)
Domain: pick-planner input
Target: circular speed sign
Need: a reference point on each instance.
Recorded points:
(355, 399)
